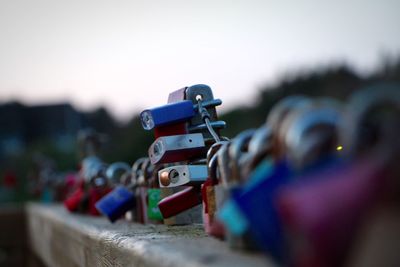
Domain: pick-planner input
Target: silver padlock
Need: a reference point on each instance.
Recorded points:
(279, 115)
(116, 171)
(259, 147)
(168, 149)
(179, 175)
(238, 155)
(131, 182)
(210, 189)
(312, 135)
(369, 111)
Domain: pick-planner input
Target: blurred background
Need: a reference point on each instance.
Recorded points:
(69, 65)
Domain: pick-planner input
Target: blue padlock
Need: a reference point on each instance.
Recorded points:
(167, 114)
(116, 203)
(231, 215)
(255, 208)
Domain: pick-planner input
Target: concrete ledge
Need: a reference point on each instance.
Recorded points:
(63, 239)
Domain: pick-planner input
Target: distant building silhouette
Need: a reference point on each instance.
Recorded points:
(21, 125)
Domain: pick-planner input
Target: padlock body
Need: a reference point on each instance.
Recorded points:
(95, 194)
(176, 148)
(141, 205)
(349, 190)
(179, 202)
(171, 129)
(75, 200)
(257, 206)
(167, 114)
(116, 203)
(211, 226)
(184, 174)
(153, 211)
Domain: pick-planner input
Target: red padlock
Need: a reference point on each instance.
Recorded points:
(172, 129)
(211, 225)
(95, 194)
(74, 202)
(179, 202)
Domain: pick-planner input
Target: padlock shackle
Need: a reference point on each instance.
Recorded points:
(237, 150)
(212, 166)
(145, 174)
(362, 106)
(116, 171)
(224, 168)
(214, 149)
(278, 117)
(259, 147)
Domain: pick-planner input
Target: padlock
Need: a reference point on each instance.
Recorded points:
(121, 199)
(179, 175)
(202, 97)
(97, 190)
(211, 225)
(81, 200)
(177, 95)
(92, 167)
(185, 199)
(277, 116)
(115, 204)
(97, 183)
(176, 148)
(312, 135)
(377, 242)
(168, 114)
(179, 202)
(365, 114)
(170, 122)
(259, 147)
(141, 191)
(174, 129)
(189, 216)
(254, 166)
(154, 195)
(153, 211)
(131, 182)
(254, 206)
(323, 212)
(75, 202)
(238, 155)
(116, 171)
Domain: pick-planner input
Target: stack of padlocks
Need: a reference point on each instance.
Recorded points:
(184, 130)
(302, 187)
(95, 178)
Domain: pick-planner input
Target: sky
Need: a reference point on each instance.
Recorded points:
(129, 55)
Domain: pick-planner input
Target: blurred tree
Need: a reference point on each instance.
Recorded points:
(129, 141)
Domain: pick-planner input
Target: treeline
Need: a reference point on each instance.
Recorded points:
(129, 141)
